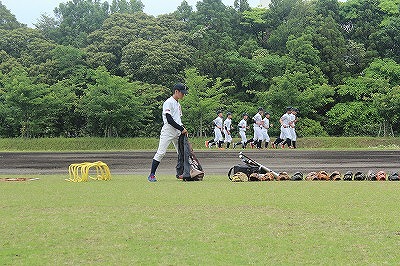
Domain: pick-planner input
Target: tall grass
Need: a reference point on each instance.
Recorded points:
(121, 144)
(129, 221)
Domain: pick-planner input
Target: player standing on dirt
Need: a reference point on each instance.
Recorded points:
(172, 127)
(227, 129)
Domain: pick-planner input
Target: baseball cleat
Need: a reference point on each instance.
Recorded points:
(152, 178)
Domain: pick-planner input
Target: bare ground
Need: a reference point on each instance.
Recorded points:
(214, 162)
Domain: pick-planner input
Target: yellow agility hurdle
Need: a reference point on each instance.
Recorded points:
(79, 172)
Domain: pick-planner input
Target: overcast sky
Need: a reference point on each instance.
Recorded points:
(29, 11)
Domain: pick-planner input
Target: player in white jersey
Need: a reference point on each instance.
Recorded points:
(172, 127)
(218, 128)
(293, 121)
(285, 135)
(265, 126)
(257, 125)
(227, 129)
(242, 126)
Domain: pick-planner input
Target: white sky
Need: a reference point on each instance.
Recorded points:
(29, 11)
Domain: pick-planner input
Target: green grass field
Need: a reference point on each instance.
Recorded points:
(129, 221)
(120, 144)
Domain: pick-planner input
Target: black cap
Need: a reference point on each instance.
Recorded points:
(267, 113)
(228, 113)
(181, 87)
(245, 114)
(260, 109)
(289, 108)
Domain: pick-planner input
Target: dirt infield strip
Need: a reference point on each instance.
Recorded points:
(213, 161)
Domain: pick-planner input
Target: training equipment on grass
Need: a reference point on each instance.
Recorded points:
(261, 177)
(253, 170)
(245, 169)
(394, 177)
(79, 172)
(17, 179)
(262, 169)
(283, 176)
(381, 176)
(298, 176)
(335, 176)
(323, 175)
(239, 177)
(312, 176)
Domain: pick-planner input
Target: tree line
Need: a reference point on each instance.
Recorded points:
(104, 68)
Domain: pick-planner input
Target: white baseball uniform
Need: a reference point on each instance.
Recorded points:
(265, 128)
(257, 127)
(285, 131)
(227, 127)
(292, 129)
(169, 133)
(218, 129)
(242, 130)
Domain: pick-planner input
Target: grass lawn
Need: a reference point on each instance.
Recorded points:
(121, 144)
(129, 221)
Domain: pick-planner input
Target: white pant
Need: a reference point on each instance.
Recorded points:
(218, 135)
(285, 133)
(258, 135)
(242, 134)
(228, 137)
(265, 135)
(293, 135)
(168, 134)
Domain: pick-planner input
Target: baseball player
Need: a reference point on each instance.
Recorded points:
(227, 129)
(242, 126)
(293, 121)
(218, 128)
(265, 126)
(285, 132)
(172, 127)
(257, 125)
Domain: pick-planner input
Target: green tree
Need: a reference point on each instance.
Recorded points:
(18, 41)
(386, 40)
(24, 103)
(156, 62)
(361, 18)
(8, 20)
(331, 44)
(356, 118)
(123, 6)
(184, 12)
(205, 97)
(79, 18)
(111, 106)
(254, 21)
